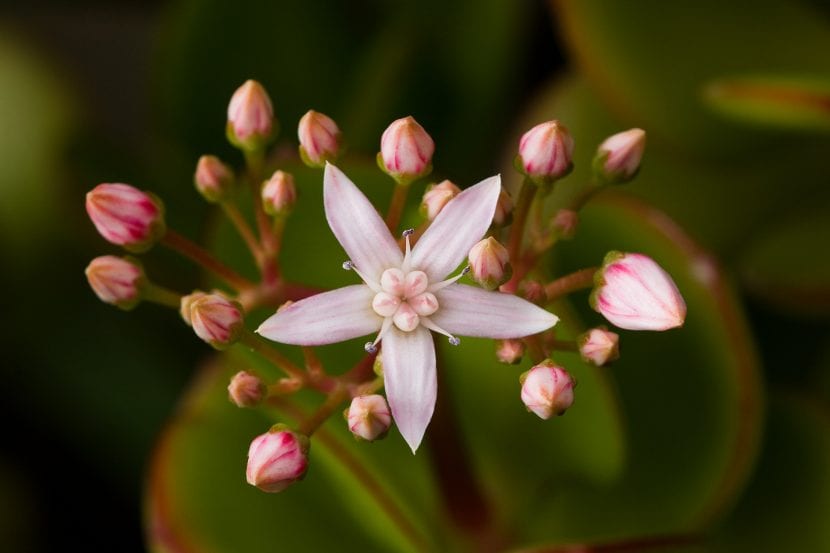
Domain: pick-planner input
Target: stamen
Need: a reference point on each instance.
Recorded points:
(371, 347)
(444, 283)
(406, 234)
(435, 328)
(348, 265)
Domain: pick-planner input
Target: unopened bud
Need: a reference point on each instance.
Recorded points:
(213, 178)
(634, 293)
(215, 319)
(250, 117)
(545, 152)
(277, 459)
(279, 194)
(489, 264)
(117, 281)
(369, 417)
(185, 303)
(246, 389)
(436, 197)
(126, 216)
(618, 158)
(510, 351)
(504, 210)
(547, 389)
(564, 223)
(533, 291)
(406, 150)
(319, 139)
(599, 346)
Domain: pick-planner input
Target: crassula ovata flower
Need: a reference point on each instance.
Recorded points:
(634, 293)
(246, 389)
(547, 389)
(599, 346)
(489, 263)
(404, 296)
(250, 116)
(214, 318)
(510, 351)
(618, 158)
(406, 150)
(116, 280)
(126, 216)
(545, 151)
(277, 459)
(279, 193)
(368, 417)
(436, 197)
(213, 179)
(319, 139)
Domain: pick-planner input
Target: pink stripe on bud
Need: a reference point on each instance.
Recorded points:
(279, 194)
(599, 346)
(406, 150)
(116, 280)
(547, 389)
(436, 197)
(510, 351)
(213, 179)
(319, 139)
(276, 460)
(545, 151)
(214, 318)
(369, 417)
(250, 116)
(618, 157)
(126, 216)
(489, 264)
(246, 389)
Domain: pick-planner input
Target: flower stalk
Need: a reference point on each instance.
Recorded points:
(205, 259)
(573, 282)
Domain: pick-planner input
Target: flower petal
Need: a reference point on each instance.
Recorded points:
(410, 381)
(357, 226)
(455, 230)
(470, 311)
(326, 318)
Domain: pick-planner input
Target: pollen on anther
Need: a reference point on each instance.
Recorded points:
(454, 341)
(465, 270)
(408, 232)
(370, 347)
(347, 265)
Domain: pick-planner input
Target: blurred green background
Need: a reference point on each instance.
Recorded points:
(719, 430)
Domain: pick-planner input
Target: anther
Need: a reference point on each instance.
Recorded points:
(408, 232)
(454, 341)
(370, 347)
(465, 270)
(347, 265)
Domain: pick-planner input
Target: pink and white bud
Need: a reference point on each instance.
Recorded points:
(564, 223)
(279, 194)
(436, 197)
(319, 139)
(545, 152)
(186, 302)
(213, 179)
(489, 263)
(599, 346)
(277, 459)
(634, 293)
(126, 216)
(510, 351)
(504, 210)
(250, 116)
(115, 280)
(406, 150)
(369, 417)
(533, 291)
(618, 157)
(246, 389)
(547, 389)
(215, 319)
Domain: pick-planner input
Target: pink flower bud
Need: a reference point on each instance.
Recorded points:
(618, 157)
(279, 194)
(246, 389)
(504, 210)
(547, 389)
(115, 280)
(215, 319)
(250, 116)
(533, 291)
(634, 293)
(545, 151)
(319, 139)
(369, 417)
(277, 459)
(564, 223)
(213, 178)
(126, 216)
(186, 302)
(510, 351)
(599, 346)
(436, 197)
(489, 263)
(406, 150)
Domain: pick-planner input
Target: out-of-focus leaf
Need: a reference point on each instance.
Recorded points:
(774, 101)
(650, 59)
(788, 265)
(17, 511)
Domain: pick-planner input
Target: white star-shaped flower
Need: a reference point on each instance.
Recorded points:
(406, 295)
